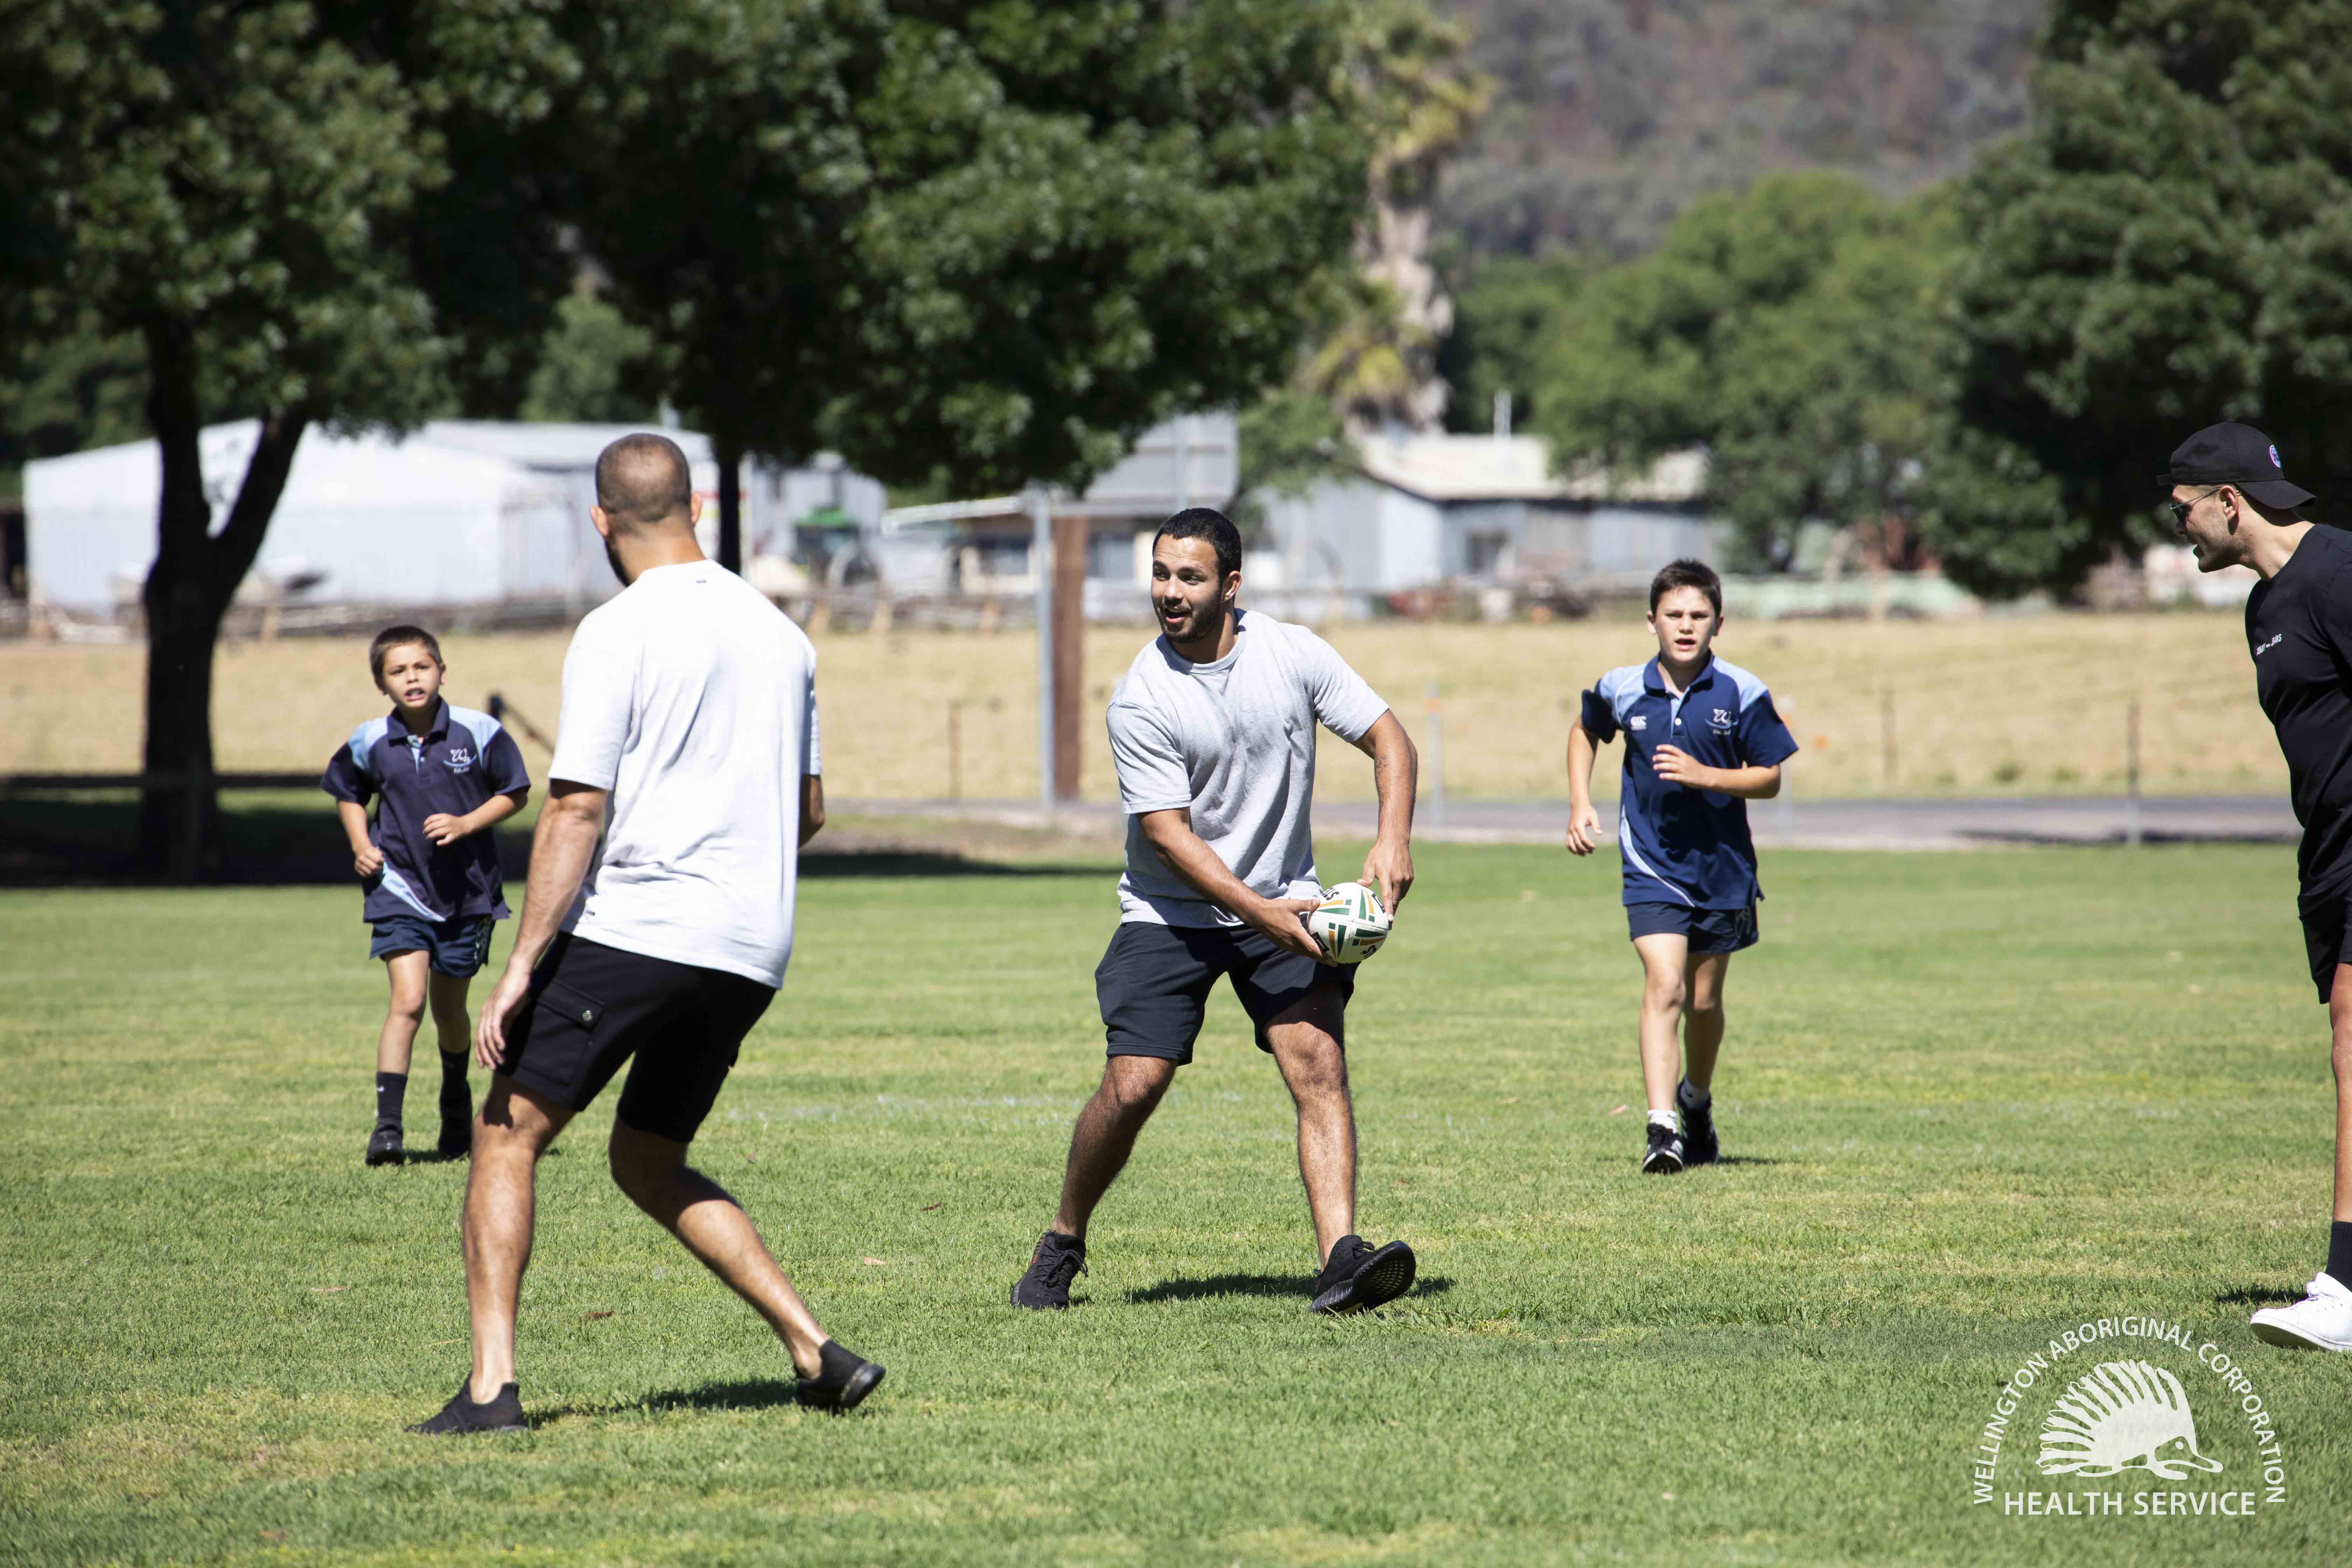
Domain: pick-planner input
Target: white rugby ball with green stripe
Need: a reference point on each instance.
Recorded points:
(1349, 923)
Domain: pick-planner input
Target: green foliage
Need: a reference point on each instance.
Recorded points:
(997, 241)
(1790, 330)
(1290, 438)
(592, 366)
(60, 394)
(1503, 317)
(2169, 247)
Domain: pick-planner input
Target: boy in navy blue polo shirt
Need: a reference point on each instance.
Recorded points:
(444, 777)
(1702, 740)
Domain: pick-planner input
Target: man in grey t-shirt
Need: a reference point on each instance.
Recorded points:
(1213, 733)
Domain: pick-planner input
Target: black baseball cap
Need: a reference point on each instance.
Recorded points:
(2235, 454)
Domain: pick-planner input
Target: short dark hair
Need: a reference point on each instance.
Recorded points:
(1687, 573)
(397, 636)
(1206, 522)
(644, 480)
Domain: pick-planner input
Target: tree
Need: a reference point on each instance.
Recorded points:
(2169, 247)
(1504, 314)
(986, 243)
(1792, 331)
(1373, 329)
(594, 366)
(306, 213)
(67, 394)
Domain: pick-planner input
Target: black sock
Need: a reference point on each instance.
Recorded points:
(835, 1364)
(453, 1076)
(2340, 1251)
(390, 1093)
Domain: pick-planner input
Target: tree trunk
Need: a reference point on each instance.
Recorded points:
(730, 454)
(186, 594)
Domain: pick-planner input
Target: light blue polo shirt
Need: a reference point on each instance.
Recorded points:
(1683, 846)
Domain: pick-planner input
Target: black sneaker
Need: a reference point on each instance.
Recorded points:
(1699, 1147)
(1356, 1275)
(502, 1412)
(457, 1131)
(1665, 1155)
(1046, 1287)
(384, 1147)
(847, 1378)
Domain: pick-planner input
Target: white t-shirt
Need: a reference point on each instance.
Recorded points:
(693, 701)
(1234, 741)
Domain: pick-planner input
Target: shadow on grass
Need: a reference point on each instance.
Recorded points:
(745, 1394)
(929, 863)
(1744, 1160)
(288, 839)
(2257, 1296)
(1269, 1285)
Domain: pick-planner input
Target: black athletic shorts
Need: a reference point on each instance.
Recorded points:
(590, 1007)
(2326, 937)
(1710, 930)
(1154, 983)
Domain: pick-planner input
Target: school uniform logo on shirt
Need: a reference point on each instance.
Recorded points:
(459, 758)
(1722, 719)
(2263, 648)
(1638, 721)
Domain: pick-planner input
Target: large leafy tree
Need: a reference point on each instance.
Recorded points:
(321, 213)
(2169, 247)
(1792, 330)
(981, 243)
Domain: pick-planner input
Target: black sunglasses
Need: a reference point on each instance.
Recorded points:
(2181, 508)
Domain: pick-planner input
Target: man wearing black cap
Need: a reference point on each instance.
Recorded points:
(2233, 503)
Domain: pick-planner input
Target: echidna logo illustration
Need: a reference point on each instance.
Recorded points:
(2122, 1415)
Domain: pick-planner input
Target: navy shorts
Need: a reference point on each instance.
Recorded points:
(1710, 930)
(592, 1007)
(2327, 938)
(1154, 983)
(458, 948)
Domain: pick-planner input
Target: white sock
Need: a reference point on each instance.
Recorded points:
(1664, 1119)
(1692, 1098)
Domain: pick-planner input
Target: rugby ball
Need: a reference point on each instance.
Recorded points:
(1349, 923)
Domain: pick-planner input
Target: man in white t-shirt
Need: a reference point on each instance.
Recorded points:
(1213, 729)
(688, 746)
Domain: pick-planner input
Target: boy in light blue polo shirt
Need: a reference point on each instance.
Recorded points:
(1702, 740)
(443, 777)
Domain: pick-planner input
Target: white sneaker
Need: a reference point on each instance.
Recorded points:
(2322, 1321)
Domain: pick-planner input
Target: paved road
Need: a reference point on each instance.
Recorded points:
(1905, 824)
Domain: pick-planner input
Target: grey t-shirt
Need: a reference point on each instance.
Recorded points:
(1234, 741)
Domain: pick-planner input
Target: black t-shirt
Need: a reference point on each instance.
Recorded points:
(2299, 627)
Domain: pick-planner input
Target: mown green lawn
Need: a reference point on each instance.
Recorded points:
(1971, 1100)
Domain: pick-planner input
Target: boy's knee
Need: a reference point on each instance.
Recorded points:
(1663, 993)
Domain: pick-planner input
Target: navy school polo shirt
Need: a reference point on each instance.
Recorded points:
(463, 758)
(1683, 846)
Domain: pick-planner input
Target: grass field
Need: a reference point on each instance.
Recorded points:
(1973, 1101)
(2033, 704)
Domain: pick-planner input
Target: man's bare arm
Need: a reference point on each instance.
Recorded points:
(1396, 777)
(812, 806)
(1186, 853)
